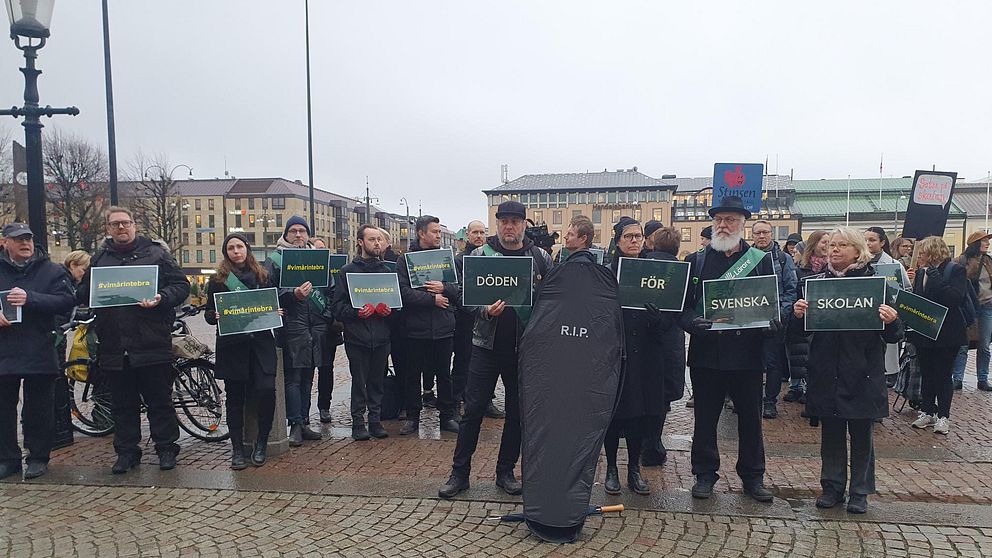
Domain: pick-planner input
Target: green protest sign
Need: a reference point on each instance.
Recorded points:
(391, 266)
(374, 288)
(492, 278)
(659, 282)
(893, 279)
(920, 314)
(431, 265)
(300, 265)
(747, 302)
(122, 285)
(600, 254)
(844, 303)
(335, 263)
(247, 311)
(10, 312)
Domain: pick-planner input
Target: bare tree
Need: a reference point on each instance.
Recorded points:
(8, 208)
(76, 172)
(156, 200)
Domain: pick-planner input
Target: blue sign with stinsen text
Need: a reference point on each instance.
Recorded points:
(738, 179)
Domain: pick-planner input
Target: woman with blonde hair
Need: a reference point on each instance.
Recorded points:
(77, 262)
(944, 282)
(846, 378)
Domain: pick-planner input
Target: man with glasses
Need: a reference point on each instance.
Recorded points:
(726, 362)
(776, 362)
(136, 344)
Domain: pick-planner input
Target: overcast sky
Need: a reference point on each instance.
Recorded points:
(429, 98)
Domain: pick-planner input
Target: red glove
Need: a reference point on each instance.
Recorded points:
(366, 311)
(383, 310)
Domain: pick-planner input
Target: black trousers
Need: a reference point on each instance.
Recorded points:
(711, 387)
(368, 370)
(936, 389)
(652, 428)
(633, 430)
(429, 357)
(299, 393)
(153, 385)
(833, 454)
(485, 368)
(38, 414)
(401, 362)
(463, 356)
(261, 387)
(776, 365)
(325, 383)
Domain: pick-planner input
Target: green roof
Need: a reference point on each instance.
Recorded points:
(814, 205)
(856, 184)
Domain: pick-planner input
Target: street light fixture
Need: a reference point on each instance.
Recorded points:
(29, 29)
(406, 225)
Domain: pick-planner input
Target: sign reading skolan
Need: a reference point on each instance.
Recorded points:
(738, 179)
(929, 204)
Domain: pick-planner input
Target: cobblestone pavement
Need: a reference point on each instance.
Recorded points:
(84, 521)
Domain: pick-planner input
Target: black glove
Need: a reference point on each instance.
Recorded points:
(653, 311)
(773, 329)
(700, 324)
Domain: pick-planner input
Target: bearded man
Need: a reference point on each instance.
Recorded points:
(726, 362)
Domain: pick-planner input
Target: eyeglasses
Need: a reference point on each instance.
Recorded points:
(633, 236)
(298, 231)
(727, 220)
(25, 239)
(120, 224)
(761, 233)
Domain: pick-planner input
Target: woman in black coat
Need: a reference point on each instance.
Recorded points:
(642, 398)
(846, 383)
(246, 361)
(946, 283)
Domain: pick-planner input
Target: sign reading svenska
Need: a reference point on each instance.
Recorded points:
(659, 282)
(747, 302)
(845, 303)
(301, 265)
(431, 265)
(247, 311)
(122, 285)
(492, 278)
(922, 315)
(374, 288)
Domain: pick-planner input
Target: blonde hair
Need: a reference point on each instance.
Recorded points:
(935, 250)
(77, 257)
(855, 238)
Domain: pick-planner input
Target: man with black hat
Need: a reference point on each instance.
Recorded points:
(303, 336)
(495, 338)
(38, 290)
(136, 344)
(726, 362)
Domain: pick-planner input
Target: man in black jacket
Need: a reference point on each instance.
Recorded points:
(726, 362)
(429, 316)
(366, 337)
(136, 344)
(39, 290)
(496, 338)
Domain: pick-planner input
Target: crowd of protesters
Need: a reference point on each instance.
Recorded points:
(436, 343)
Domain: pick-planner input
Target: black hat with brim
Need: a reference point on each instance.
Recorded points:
(731, 204)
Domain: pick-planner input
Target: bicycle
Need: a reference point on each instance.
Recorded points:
(195, 390)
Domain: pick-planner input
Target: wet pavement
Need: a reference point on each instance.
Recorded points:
(378, 498)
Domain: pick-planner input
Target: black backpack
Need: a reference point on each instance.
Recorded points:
(970, 305)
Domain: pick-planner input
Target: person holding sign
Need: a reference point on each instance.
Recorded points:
(303, 337)
(728, 361)
(366, 337)
(978, 267)
(475, 237)
(942, 281)
(429, 315)
(246, 361)
(136, 343)
(642, 399)
(846, 381)
(878, 247)
(35, 290)
(496, 337)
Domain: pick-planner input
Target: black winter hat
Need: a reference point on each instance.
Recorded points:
(296, 220)
(652, 226)
(707, 232)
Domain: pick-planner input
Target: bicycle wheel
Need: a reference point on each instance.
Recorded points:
(201, 401)
(92, 409)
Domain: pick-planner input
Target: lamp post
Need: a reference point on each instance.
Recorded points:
(407, 223)
(29, 29)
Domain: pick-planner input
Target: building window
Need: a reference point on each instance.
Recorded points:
(210, 204)
(199, 256)
(573, 198)
(251, 219)
(583, 197)
(652, 196)
(642, 196)
(538, 217)
(637, 214)
(213, 256)
(271, 238)
(237, 220)
(556, 218)
(656, 214)
(196, 204)
(622, 197)
(251, 203)
(615, 217)
(237, 203)
(198, 219)
(185, 221)
(278, 219)
(211, 222)
(597, 215)
(199, 238)
(576, 213)
(279, 203)
(185, 256)
(783, 233)
(251, 237)
(213, 239)
(686, 233)
(185, 238)
(598, 237)
(265, 203)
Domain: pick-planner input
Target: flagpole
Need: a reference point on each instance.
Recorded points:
(988, 181)
(848, 223)
(881, 158)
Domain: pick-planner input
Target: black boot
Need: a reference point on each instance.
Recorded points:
(238, 460)
(296, 435)
(261, 447)
(612, 483)
(634, 480)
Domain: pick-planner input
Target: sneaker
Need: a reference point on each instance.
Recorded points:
(703, 489)
(429, 399)
(309, 434)
(770, 410)
(984, 386)
(455, 484)
(923, 421)
(325, 416)
(759, 493)
(942, 426)
(35, 469)
(857, 504)
(828, 500)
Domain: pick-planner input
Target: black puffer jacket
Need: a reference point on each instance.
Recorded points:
(847, 368)
(947, 285)
(305, 327)
(797, 346)
(144, 335)
(368, 332)
(672, 346)
(28, 348)
(421, 318)
(235, 352)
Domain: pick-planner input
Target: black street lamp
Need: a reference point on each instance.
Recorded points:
(29, 28)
